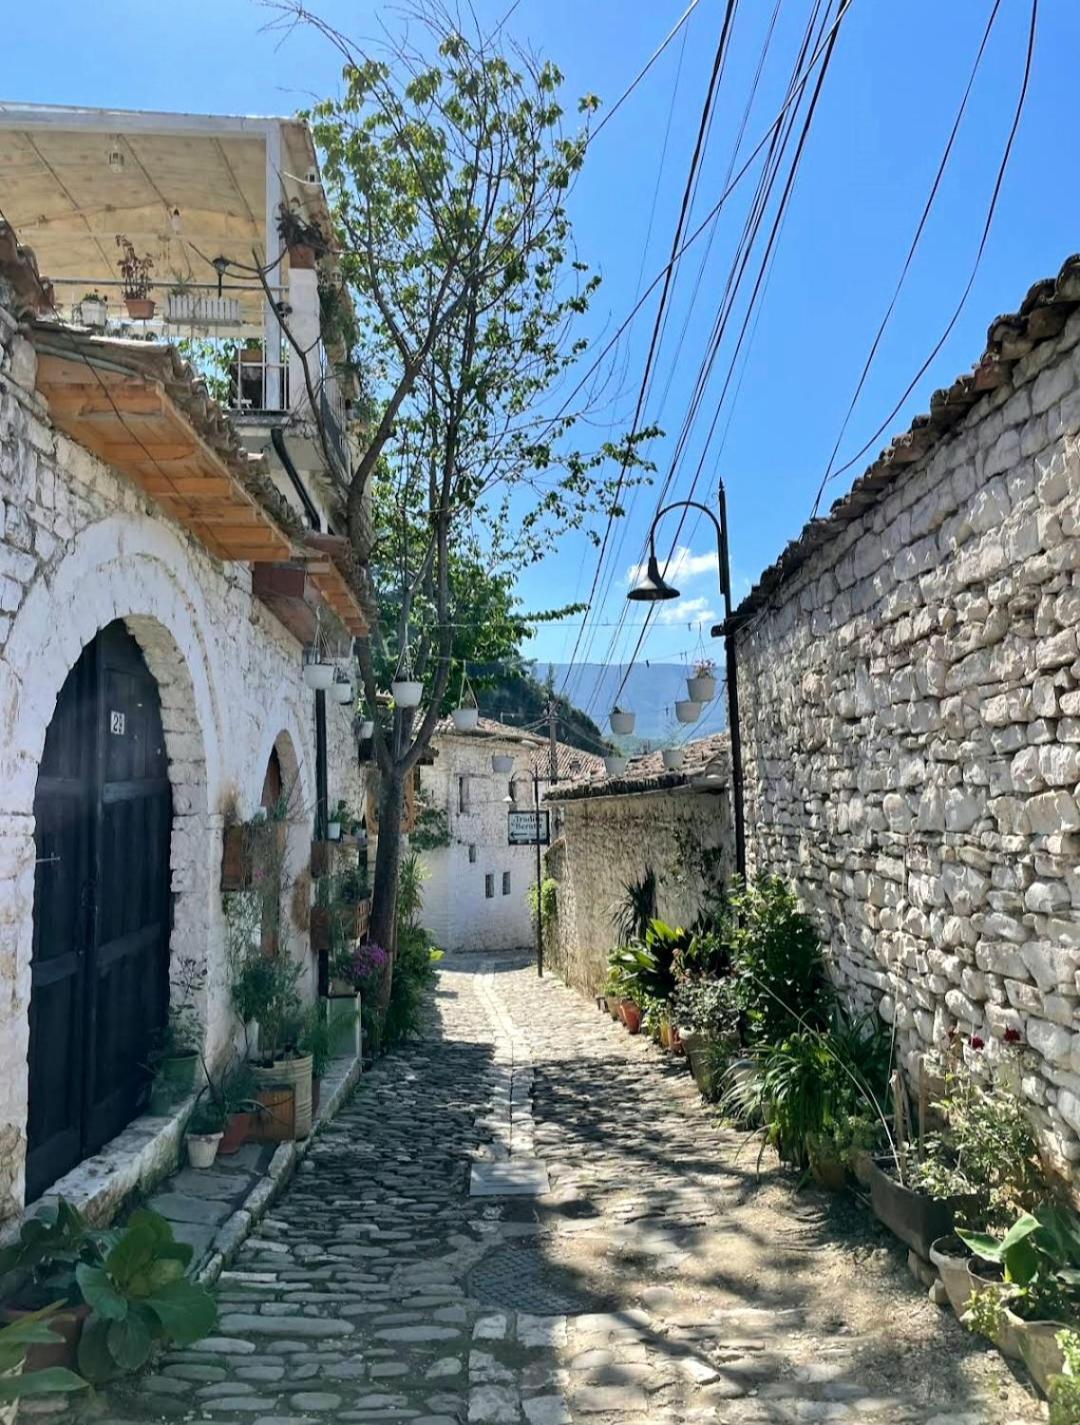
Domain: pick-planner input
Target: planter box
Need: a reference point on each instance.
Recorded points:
(352, 921)
(246, 847)
(293, 1075)
(202, 311)
(917, 1219)
(276, 1121)
(1039, 1349)
(701, 1055)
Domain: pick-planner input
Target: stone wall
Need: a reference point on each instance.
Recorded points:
(911, 720)
(80, 547)
(607, 841)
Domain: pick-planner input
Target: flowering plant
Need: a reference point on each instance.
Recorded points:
(369, 960)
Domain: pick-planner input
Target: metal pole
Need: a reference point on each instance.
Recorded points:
(734, 730)
(553, 749)
(539, 879)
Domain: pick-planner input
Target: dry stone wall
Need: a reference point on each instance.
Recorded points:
(911, 721)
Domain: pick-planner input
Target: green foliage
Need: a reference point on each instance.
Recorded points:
(777, 961)
(705, 1006)
(40, 1263)
(986, 1154)
(265, 989)
(548, 901)
(414, 977)
(15, 1340)
(646, 970)
(1065, 1389)
(431, 829)
(1040, 1257)
(139, 1295)
(985, 1314)
(636, 907)
(316, 1039)
(411, 878)
(511, 692)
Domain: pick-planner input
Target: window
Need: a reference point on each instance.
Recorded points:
(472, 855)
(489, 887)
(506, 883)
(463, 794)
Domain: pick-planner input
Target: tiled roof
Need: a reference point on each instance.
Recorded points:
(648, 774)
(572, 762)
(1042, 315)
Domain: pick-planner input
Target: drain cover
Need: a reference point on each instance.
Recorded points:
(518, 1277)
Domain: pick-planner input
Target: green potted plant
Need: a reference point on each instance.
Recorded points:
(92, 310)
(466, 715)
(139, 1296)
(315, 1039)
(19, 1339)
(204, 1130)
(707, 1018)
(135, 272)
(174, 1060)
(701, 685)
(38, 1270)
(340, 821)
(265, 991)
(305, 241)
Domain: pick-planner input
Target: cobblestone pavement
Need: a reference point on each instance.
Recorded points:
(661, 1278)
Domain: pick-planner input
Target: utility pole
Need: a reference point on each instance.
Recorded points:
(553, 777)
(553, 746)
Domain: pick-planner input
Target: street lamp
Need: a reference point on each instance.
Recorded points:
(654, 588)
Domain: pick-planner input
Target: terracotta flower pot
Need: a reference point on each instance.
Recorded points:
(238, 1129)
(630, 1015)
(67, 1324)
(140, 309)
(613, 1007)
(953, 1262)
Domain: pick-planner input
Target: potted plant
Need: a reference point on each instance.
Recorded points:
(341, 690)
(614, 766)
(622, 722)
(701, 685)
(365, 729)
(407, 692)
(204, 1131)
(707, 1018)
(687, 710)
(38, 1271)
(305, 241)
(235, 1091)
(340, 818)
(315, 1039)
(502, 763)
(19, 1340)
(93, 310)
(135, 272)
(319, 669)
(265, 990)
(672, 758)
(174, 1060)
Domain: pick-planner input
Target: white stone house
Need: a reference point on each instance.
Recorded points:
(159, 578)
(476, 897)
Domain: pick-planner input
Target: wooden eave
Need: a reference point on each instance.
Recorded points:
(133, 424)
(290, 595)
(326, 563)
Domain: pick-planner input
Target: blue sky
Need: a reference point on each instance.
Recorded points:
(889, 101)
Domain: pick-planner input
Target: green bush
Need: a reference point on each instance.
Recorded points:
(777, 962)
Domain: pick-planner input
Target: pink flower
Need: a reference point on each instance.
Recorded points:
(976, 1042)
(1012, 1036)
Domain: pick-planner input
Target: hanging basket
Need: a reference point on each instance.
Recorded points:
(365, 729)
(140, 309)
(687, 710)
(622, 723)
(342, 690)
(702, 689)
(407, 693)
(319, 676)
(502, 762)
(614, 766)
(673, 758)
(465, 719)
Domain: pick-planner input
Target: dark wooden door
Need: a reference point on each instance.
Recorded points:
(102, 907)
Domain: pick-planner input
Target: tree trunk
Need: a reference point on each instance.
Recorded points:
(384, 886)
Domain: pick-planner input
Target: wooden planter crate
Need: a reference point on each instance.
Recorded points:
(353, 920)
(329, 856)
(245, 847)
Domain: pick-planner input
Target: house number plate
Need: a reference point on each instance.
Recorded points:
(116, 724)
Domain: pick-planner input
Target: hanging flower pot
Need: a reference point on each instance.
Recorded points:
(318, 676)
(502, 762)
(365, 729)
(622, 723)
(466, 719)
(407, 692)
(139, 309)
(92, 310)
(614, 766)
(687, 710)
(701, 685)
(673, 758)
(342, 689)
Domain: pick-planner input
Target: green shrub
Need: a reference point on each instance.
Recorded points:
(777, 962)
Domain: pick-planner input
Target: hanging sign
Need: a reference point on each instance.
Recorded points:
(526, 828)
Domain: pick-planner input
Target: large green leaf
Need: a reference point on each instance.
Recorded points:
(129, 1341)
(55, 1380)
(133, 1253)
(95, 1359)
(99, 1293)
(187, 1312)
(1059, 1234)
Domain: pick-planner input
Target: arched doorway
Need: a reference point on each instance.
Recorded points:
(102, 907)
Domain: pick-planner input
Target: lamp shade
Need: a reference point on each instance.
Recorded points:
(653, 588)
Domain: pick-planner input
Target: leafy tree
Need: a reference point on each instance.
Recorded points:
(448, 172)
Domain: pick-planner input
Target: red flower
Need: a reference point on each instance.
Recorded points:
(976, 1042)
(1012, 1036)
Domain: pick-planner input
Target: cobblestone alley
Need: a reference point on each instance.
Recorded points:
(661, 1277)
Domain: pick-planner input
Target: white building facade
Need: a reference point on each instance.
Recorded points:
(476, 897)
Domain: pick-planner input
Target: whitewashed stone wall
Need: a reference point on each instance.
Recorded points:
(604, 843)
(457, 911)
(80, 547)
(911, 719)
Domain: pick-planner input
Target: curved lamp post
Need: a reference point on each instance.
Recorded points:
(654, 588)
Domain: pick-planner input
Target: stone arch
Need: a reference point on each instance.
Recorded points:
(135, 569)
(298, 786)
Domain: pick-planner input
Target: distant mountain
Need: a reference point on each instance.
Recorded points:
(650, 692)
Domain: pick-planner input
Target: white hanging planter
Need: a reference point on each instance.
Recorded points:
(702, 689)
(333, 831)
(465, 719)
(342, 691)
(687, 710)
(673, 758)
(92, 312)
(366, 729)
(615, 766)
(622, 723)
(319, 676)
(502, 762)
(407, 693)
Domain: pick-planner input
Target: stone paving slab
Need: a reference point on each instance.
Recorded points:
(517, 1177)
(704, 1294)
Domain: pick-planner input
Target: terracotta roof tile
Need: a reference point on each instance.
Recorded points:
(648, 773)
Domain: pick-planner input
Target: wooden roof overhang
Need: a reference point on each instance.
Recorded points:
(132, 422)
